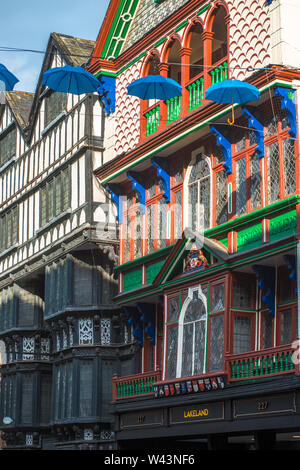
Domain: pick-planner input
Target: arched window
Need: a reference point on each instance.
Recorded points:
(174, 62)
(192, 334)
(219, 42)
(197, 51)
(199, 195)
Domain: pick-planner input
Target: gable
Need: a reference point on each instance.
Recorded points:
(190, 255)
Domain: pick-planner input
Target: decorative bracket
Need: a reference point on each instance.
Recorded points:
(147, 312)
(137, 185)
(291, 264)
(288, 104)
(226, 145)
(107, 92)
(163, 173)
(266, 276)
(259, 131)
(134, 319)
(115, 194)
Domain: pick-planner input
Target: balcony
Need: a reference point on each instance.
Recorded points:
(247, 366)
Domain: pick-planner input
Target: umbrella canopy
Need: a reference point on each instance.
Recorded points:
(232, 91)
(8, 78)
(68, 79)
(154, 87)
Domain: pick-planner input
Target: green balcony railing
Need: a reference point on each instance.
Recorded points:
(152, 119)
(261, 364)
(173, 109)
(196, 93)
(219, 73)
(134, 385)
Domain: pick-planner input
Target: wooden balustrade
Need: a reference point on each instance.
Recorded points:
(264, 363)
(135, 385)
(219, 73)
(152, 119)
(173, 109)
(196, 93)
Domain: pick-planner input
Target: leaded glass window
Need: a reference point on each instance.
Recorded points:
(240, 143)
(241, 187)
(55, 197)
(273, 172)
(216, 357)
(150, 228)
(8, 144)
(162, 223)
(255, 182)
(85, 387)
(286, 327)
(199, 195)
(242, 334)
(221, 197)
(267, 338)
(289, 166)
(172, 352)
(193, 338)
(178, 215)
(127, 239)
(54, 105)
(9, 229)
(243, 295)
(218, 298)
(173, 309)
(138, 235)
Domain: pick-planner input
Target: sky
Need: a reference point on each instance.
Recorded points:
(28, 24)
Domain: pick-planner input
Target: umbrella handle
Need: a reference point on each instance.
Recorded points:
(232, 114)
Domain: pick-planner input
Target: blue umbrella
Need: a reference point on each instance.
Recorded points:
(232, 91)
(154, 87)
(70, 79)
(8, 78)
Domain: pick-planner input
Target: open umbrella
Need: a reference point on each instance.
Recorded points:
(154, 87)
(232, 91)
(68, 79)
(8, 78)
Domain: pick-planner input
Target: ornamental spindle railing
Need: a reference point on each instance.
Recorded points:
(173, 109)
(134, 385)
(261, 363)
(196, 93)
(219, 73)
(152, 120)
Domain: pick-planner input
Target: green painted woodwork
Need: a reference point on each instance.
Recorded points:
(152, 270)
(132, 279)
(203, 9)
(136, 387)
(152, 118)
(173, 109)
(196, 93)
(262, 366)
(219, 73)
(224, 241)
(119, 28)
(250, 237)
(283, 225)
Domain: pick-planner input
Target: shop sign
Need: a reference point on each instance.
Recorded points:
(141, 418)
(197, 413)
(261, 406)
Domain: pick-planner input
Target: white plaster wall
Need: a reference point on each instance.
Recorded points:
(285, 32)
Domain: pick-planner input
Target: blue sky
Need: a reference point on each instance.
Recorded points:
(28, 24)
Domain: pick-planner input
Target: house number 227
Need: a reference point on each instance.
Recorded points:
(262, 405)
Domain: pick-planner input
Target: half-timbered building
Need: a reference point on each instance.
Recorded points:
(58, 245)
(209, 216)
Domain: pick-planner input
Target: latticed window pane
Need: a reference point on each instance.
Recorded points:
(219, 154)
(187, 350)
(289, 166)
(178, 215)
(255, 182)
(243, 295)
(241, 187)
(204, 204)
(86, 331)
(216, 343)
(273, 172)
(199, 170)
(286, 327)
(194, 311)
(150, 228)
(199, 196)
(240, 144)
(8, 145)
(252, 138)
(172, 352)
(162, 223)
(242, 334)
(193, 204)
(218, 298)
(199, 346)
(173, 309)
(221, 202)
(127, 239)
(54, 105)
(85, 387)
(272, 126)
(138, 235)
(151, 190)
(267, 331)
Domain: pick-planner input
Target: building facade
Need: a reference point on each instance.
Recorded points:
(62, 334)
(209, 213)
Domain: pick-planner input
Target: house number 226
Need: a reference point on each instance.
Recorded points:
(262, 405)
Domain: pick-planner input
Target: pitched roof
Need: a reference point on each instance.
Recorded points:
(20, 103)
(76, 51)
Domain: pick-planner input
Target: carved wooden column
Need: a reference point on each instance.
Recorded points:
(185, 54)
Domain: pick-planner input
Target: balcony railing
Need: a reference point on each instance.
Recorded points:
(173, 109)
(261, 363)
(196, 93)
(152, 120)
(135, 385)
(219, 73)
